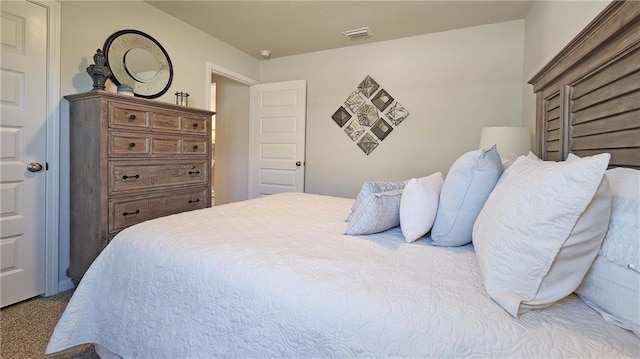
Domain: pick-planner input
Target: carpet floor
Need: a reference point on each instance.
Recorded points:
(25, 329)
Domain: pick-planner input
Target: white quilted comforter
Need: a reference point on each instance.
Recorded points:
(274, 277)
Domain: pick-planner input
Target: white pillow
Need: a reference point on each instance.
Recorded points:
(533, 156)
(377, 213)
(540, 230)
(370, 187)
(470, 180)
(612, 285)
(418, 205)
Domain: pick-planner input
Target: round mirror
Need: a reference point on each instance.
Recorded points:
(141, 65)
(138, 60)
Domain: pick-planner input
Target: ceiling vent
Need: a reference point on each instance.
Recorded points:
(358, 33)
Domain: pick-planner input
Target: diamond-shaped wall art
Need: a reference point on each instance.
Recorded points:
(341, 116)
(369, 115)
(367, 143)
(354, 130)
(368, 86)
(354, 102)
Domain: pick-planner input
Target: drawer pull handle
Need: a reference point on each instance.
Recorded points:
(195, 125)
(131, 213)
(132, 117)
(194, 172)
(127, 177)
(195, 147)
(196, 201)
(132, 144)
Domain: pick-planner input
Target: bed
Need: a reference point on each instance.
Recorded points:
(277, 277)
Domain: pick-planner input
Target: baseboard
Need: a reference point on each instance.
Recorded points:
(65, 284)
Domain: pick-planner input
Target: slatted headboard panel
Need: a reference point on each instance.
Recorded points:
(589, 94)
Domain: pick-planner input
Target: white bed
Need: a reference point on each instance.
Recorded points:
(275, 277)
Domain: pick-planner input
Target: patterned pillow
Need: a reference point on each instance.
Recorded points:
(540, 230)
(612, 285)
(371, 187)
(376, 213)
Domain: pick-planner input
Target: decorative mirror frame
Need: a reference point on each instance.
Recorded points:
(116, 49)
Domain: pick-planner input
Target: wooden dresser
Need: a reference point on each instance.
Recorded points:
(131, 160)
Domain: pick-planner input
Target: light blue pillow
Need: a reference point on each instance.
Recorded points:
(371, 187)
(376, 213)
(466, 188)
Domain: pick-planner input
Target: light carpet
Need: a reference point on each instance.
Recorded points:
(25, 329)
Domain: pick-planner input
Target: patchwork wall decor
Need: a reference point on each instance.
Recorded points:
(369, 115)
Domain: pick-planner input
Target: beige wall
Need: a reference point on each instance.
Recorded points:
(453, 83)
(85, 27)
(550, 26)
(232, 140)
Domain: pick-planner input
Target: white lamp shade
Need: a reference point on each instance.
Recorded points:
(509, 141)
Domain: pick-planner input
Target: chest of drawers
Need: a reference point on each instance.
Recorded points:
(131, 160)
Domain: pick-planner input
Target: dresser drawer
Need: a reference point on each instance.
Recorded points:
(195, 146)
(142, 144)
(126, 116)
(129, 144)
(133, 175)
(129, 211)
(165, 122)
(195, 124)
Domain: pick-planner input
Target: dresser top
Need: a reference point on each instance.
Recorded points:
(135, 100)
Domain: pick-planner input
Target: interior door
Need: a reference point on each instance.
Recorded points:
(23, 106)
(277, 138)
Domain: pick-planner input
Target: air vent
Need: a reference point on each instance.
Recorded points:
(358, 33)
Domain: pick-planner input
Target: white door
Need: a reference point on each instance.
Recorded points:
(23, 145)
(277, 138)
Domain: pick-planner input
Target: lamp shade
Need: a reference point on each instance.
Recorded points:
(509, 141)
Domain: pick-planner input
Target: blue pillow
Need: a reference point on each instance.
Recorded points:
(466, 188)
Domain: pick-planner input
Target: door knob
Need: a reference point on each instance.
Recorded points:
(298, 164)
(34, 167)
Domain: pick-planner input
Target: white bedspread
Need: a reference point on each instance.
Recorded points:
(274, 277)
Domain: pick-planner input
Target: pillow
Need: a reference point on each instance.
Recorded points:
(377, 213)
(540, 230)
(371, 187)
(508, 161)
(470, 180)
(533, 156)
(612, 285)
(418, 205)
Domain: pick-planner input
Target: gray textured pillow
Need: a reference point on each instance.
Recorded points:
(467, 186)
(371, 187)
(376, 213)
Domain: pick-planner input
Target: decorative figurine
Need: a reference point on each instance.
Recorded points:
(99, 72)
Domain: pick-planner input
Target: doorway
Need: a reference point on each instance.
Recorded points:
(231, 104)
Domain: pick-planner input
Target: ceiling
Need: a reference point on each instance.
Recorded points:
(294, 27)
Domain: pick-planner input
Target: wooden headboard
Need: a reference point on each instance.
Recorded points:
(588, 96)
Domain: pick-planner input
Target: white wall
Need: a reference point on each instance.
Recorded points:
(452, 83)
(549, 27)
(85, 27)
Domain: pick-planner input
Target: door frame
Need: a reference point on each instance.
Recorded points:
(213, 69)
(52, 173)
